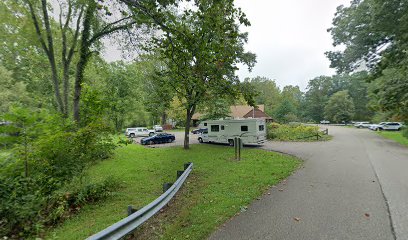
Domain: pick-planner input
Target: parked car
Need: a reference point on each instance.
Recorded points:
(362, 124)
(325, 122)
(158, 128)
(158, 138)
(198, 130)
(138, 132)
(391, 126)
(375, 127)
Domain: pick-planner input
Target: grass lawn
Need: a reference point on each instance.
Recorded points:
(396, 136)
(216, 190)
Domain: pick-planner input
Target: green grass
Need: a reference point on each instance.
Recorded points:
(396, 136)
(216, 190)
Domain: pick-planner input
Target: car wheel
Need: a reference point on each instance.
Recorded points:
(151, 142)
(132, 135)
(151, 134)
(200, 140)
(231, 142)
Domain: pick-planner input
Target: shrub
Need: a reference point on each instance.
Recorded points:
(39, 173)
(405, 132)
(292, 132)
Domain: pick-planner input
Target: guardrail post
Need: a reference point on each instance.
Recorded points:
(236, 147)
(131, 210)
(240, 145)
(327, 131)
(186, 165)
(166, 186)
(179, 173)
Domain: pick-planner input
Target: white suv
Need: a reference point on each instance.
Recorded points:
(396, 126)
(138, 132)
(362, 124)
(158, 128)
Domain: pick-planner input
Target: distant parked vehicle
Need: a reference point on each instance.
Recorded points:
(198, 130)
(325, 122)
(391, 126)
(375, 127)
(158, 128)
(362, 124)
(158, 138)
(138, 132)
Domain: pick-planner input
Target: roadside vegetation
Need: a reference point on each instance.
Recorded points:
(396, 136)
(295, 132)
(218, 188)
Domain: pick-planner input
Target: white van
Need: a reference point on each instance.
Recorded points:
(251, 131)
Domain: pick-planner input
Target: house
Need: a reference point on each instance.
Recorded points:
(240, 111)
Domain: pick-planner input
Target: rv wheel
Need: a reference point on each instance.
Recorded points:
(200, 140)
(231, 142)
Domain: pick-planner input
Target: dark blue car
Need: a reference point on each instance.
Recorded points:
(158, 138)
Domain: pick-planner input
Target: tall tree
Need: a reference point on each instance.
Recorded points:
(374, 35)
(90, 21)
(201, 47)
(340, 107)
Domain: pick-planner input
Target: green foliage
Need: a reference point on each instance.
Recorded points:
(340, 107)
(405, 132)
(374, 35)
(293, 132)
(285, 112)
(49, 152)
(201, 49)
(216, 109)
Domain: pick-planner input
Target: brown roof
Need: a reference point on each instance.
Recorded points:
(242, 111)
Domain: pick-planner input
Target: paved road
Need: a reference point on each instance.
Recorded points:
(353, 187)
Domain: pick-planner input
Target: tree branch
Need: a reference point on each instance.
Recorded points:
(37, 27)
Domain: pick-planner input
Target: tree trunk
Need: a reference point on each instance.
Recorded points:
(163, 118)
(190, 112)
(83, 60)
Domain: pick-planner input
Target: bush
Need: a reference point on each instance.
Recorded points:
(292, 132)
(36, 181)
(405, 132)
(25, 211)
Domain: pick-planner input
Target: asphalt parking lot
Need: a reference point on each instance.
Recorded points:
(178, 142)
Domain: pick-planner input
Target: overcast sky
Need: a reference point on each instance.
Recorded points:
(289, 38)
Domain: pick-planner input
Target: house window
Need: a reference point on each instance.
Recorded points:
(215, 128)
(205, 124)
(244, 128)
(261, 128)
(222, 127)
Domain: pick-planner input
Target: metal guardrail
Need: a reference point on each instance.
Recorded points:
(130, 223)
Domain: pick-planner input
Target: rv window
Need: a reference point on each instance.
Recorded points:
(261, 127)
(205, 124)
(215, 128)
(222, 127)
(244, 128)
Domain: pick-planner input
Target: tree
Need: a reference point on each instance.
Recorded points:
(216, 108)
(285, 112)
(12, 91)
(374, 35)
(340, 107)
(201, 47)
(90, 26)
(318, 92)
(267, 93)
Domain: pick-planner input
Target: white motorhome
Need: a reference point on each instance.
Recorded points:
(251, 131)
